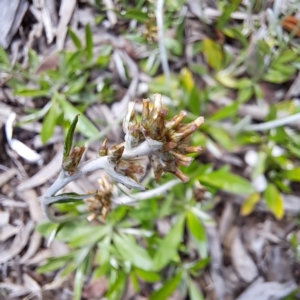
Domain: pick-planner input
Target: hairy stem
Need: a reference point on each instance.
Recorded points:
(125, 200)
(99, 163)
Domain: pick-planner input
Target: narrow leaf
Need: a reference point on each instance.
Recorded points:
(50, 122)
(167, 289)
(84, 125)
(274, 201)
(31, 92)
(227, 182)
(194, 291)
(249, 204)
(76, 86)
(78, 282)
(74, 38)
(88, 42)
(4, 58)
(293, 175)
(221, 137)
(136, 14)
(213, 53)
(195, 227)
(168, 247)
(132, 252)
(147, 275)
(69, 138)
(95, 234)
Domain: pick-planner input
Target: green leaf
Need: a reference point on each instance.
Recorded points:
(116, 287)
(221, 137)
(69, 231)
(225, 112)
(46, 228)
(50, 121)
(244, 95)
(84, 125)
(101, 271)
(70, 197)
(134, 281)
(244, 83)
(69, 138)
(194, 291)
(249, 204)
(294, 150)
(235, 33)
(33, 60)
(136, 14)
(293, 175)
(132, 252)
(285, 57)
(76, 86)
(227, 182)
(168, 246)
(24, 92)
(226, 79)
(88, 42)
(147, 275)
(4, 58)
(213, 53)
(199, 265)
(167, 289)
(261, 164)
(194, 101)
(55, 263)
(173, 45)
(78, 281)
(90, 235)
(74, 38)
(275, 76)
(274, 201)
(195, 227)
(229, 9)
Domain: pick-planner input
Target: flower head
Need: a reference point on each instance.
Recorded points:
(167, 139)
(171, 135)
(100, 204)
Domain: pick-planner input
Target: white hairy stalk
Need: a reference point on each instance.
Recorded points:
(87, 167)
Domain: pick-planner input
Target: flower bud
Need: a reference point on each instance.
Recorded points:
(175, 121)
(181, 159)
(103, 150)
(71, 162)
(190, 149)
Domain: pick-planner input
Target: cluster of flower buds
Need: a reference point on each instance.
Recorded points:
(130, 168)
(168, 139)
(100, 203)
(172, 135)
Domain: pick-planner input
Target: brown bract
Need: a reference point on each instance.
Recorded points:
(71, 162)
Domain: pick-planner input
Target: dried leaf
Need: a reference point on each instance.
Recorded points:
(290, 24)
(65, 12)
(44, 174)
(19, 242)
(7, 176)
(241, 260)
